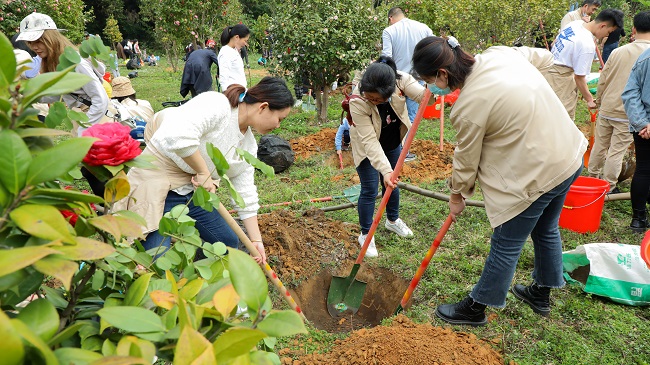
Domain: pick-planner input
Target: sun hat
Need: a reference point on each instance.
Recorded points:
(33, 26)
(210, 43)
(122, 87)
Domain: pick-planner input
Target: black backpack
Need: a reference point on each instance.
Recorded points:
(276, 152)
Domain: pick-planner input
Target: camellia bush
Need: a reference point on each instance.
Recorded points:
(332, 38)
(77, 287)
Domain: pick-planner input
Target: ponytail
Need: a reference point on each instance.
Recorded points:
(272, 90)
(230, 31)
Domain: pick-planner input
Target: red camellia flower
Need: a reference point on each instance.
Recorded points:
(72, 216)
(115, 145)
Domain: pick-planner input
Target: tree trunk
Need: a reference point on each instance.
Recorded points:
(322, 102)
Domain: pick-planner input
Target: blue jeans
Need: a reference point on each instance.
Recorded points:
(211, 226)
(540, 222)
(607, 50)
(412, 107)
(370, 179)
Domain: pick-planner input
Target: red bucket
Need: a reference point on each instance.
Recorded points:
(583, 206)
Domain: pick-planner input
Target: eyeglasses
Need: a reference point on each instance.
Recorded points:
(374, 100)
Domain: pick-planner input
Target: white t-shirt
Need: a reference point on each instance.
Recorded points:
(574, 47)
(231, 67)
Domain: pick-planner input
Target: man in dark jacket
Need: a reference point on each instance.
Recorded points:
(197, 77)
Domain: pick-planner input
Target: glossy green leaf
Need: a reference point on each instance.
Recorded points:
(163, 263)
(137, 290)
(85, 249)
(233, 193)
(53, 83)
(235, 342)
(191, 289)
(218, 159)
(54, 296)
(132, 319)
(117, 226)
(253, 161)
(248, 279)
(132, 216)
(66, 195)
(65, 334)
(18, 258)
(43, 221)
(69, 355)
(41, 317)
(193, 348)
(201, 198)
(78, 116)
(117, 188)
(58, 268)
(41, 132)
(264, 358)
(282, 323)
(5, 197)
(11, 345)
(57, 115)
(133, 346)
(68, 58)
(48, 165)
(119, 360)
(7, 63)
(99, 278)
(10, 280)
(179, 211)
(111, 301)
(114, 169)
(34, 341)
(108, 348)
(14, 162)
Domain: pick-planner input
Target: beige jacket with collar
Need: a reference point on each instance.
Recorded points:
(513, 135)
(364, 134)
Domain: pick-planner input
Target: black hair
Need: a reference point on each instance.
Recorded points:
(379, 78)
(611, 16)
(395, 11)
(239, 29)
(272, 90)
(642, 22)
(22, 45)
(132, 97)
(591, 2)
(433, 53)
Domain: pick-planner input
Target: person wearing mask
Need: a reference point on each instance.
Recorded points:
(398, 41)
(516, 139)
(231, 65)
(178, 137)
(197, 75)
(380, 123)
(41, 35)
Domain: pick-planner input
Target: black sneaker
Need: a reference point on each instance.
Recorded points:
(467, 311)
(614, 191)
(537, 297)
(345, 146)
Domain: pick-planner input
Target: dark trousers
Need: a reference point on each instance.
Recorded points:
(641, 179)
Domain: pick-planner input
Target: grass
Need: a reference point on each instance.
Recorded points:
(582, 329)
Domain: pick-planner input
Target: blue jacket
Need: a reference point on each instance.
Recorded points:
(345, 126)
(636, 95)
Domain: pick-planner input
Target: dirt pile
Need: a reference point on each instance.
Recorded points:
(404, 343)
(297, 245)
(430, 165)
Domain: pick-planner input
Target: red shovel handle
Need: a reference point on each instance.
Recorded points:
(425, 261)
(396, 171)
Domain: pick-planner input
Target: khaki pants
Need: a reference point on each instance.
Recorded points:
(561, 79)
(610, 144)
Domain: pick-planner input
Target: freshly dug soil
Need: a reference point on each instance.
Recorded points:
(404, 343)
(431, 163)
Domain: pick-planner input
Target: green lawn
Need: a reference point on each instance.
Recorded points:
(582, 329)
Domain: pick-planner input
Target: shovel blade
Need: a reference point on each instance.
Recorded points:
(345, 296)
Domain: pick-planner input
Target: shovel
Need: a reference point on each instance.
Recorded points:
(346, 293)
(341, 161)
(424, 264)
(592, 133)
(265, 267)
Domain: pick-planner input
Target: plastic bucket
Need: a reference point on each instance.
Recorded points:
(433, 111)
(583, 206)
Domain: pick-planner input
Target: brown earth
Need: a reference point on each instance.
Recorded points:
(403, 343)
(431, 164)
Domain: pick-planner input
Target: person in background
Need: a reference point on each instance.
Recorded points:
(178, 141)
(41, 35)
(129, 105)
(584, 12)
(244, 56)
(613, 136)
(381, 122)
(636, 99)
(23, 52)
(342, 138)
(197, 75)
(611, 42)
(231, 65)
(514, 136)
(398, 41)
(574, 51)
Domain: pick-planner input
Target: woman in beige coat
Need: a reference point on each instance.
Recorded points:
(515, 137)
(379, 123)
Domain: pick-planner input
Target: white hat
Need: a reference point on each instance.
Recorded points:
(33, 25)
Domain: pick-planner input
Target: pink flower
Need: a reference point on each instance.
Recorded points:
(115, 145)
(177, 22)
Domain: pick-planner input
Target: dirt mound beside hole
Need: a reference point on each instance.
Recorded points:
(405, 343)
(382, 295)
(305, 147)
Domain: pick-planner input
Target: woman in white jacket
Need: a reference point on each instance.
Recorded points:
(43, 37)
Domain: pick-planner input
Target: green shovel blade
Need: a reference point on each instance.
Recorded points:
(345, 295)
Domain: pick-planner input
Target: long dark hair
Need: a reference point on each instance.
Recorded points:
(380, 77)
(433, 53)
(239, 29)
(272, 90)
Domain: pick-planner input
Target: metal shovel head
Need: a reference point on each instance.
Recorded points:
(345, 296)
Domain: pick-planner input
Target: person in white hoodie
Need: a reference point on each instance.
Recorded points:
(41, 35)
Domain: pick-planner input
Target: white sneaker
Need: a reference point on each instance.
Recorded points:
(399, 227)
(372, 249)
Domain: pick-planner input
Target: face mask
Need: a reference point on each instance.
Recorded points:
(436, 90)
